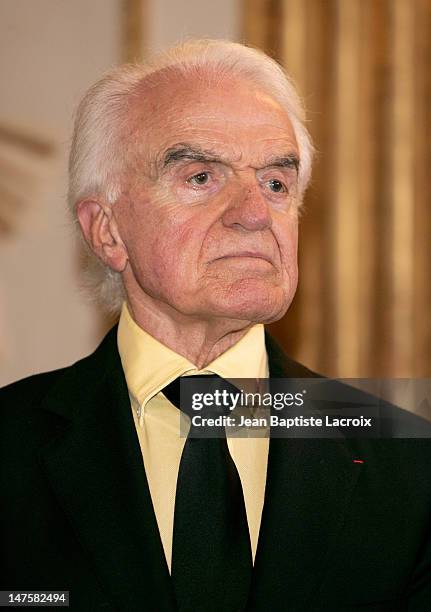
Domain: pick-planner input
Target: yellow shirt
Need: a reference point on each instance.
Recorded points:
(148, 367)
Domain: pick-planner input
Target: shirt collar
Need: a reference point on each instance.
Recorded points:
(149, 365)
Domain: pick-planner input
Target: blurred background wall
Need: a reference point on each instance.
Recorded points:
(363, 67)
(50, 52)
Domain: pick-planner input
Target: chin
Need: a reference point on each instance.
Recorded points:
(253, 303)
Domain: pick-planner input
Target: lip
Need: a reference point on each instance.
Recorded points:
(254, 254)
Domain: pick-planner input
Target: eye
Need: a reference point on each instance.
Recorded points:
(277, 186)
(199, 179)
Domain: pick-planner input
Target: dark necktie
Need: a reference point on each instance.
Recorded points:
(211, 552)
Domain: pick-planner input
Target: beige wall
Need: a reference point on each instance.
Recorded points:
(50, 52)
(169, 21)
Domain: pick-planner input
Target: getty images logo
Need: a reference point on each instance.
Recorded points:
(231, 400)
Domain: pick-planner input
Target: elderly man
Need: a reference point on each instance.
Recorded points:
(186, 177)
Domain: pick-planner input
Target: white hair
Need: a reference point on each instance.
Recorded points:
(103, 119)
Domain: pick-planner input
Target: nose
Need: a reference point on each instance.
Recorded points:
(248, 210)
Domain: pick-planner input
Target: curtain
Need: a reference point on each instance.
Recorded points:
(363, 69)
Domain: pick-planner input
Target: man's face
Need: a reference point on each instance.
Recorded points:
(209, 216)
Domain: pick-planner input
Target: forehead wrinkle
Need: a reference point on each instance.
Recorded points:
(157, 117)
(219, 145)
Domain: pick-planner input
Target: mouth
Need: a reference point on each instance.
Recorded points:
(246, 254)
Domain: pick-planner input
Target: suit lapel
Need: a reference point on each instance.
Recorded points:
(97, 473)
(308, 491)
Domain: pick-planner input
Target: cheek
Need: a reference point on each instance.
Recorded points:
(166, 252)
(287, 237)
(173, 250)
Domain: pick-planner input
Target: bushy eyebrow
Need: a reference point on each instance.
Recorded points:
(192, 153)
(188, 152)
(287, 161)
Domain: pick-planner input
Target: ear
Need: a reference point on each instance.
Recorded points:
(101, 233)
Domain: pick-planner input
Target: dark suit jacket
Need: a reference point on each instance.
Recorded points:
(76, 511)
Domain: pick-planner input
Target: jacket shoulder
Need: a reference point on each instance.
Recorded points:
(283, 366)
(30, 389)
(23, 425)
(36, 408)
